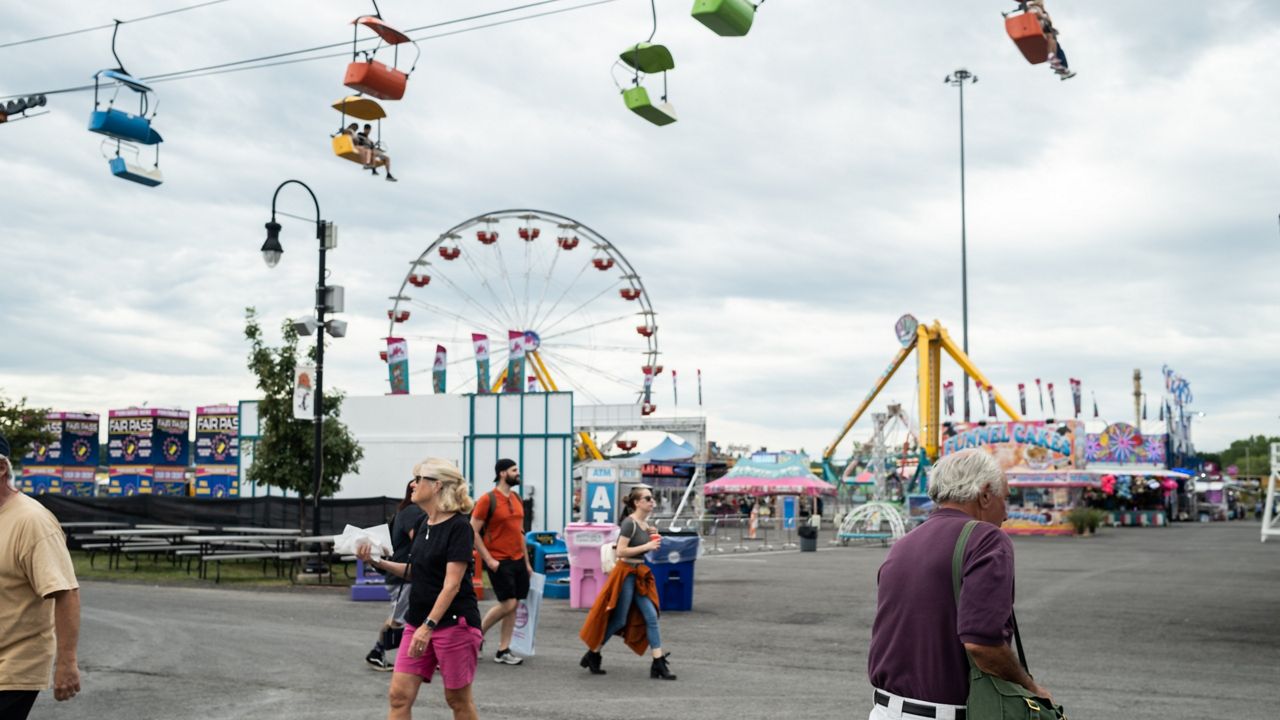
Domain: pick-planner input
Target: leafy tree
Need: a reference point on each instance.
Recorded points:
(1252, 455)
(283, 457)
(23, 426)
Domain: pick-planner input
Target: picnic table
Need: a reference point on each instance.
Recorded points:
(261, 530)
(121, 541)
(213, 549)
(93, 525)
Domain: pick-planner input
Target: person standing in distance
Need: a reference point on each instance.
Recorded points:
(917, 662)
(404, 525)
(498, 522)
(39, 601)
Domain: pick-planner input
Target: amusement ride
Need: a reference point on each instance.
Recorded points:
(579, 310)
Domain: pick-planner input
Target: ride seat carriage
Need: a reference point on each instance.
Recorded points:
(1026, 32)
(374, 78)
(729, 18)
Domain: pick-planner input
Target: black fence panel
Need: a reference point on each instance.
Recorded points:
(266, 512)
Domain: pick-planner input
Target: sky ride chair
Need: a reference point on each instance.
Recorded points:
(371, 77)
(360, 108)
(646, 59)
(1028, 34)
(133, 171)
(127, 129)
(727, 18)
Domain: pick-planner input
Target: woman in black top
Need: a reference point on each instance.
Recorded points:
(403, 526)
(442, 626)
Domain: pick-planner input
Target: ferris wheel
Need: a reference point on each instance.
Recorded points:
(579, 308)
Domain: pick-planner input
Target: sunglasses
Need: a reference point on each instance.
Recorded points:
(423, 478)
(647, 497)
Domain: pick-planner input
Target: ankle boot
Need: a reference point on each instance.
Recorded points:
(591, 661)
(660, 669)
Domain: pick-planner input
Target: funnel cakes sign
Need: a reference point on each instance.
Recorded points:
(1029, 445)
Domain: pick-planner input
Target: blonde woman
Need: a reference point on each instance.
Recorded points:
(442, 626)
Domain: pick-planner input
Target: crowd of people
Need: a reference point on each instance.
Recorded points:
(942, 642)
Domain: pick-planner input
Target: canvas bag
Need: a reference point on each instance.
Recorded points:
(990, 697)
(608, 557)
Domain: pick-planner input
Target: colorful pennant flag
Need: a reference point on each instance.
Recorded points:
(1022, 397)
(398, 365)
(949, 397)
(1053, 403)
(515, 361)
(438, 370)
(533, 384)
(480, 344)
(1040, 392)
(1075, 395)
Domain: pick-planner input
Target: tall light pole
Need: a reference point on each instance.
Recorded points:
(328, 299)
(958, 79)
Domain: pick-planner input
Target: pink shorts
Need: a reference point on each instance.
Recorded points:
(452, 649)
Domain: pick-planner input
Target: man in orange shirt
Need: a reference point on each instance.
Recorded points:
(498, 522)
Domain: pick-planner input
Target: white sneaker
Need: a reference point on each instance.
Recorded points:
(506, 658)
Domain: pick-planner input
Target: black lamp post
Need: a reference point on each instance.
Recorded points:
(328, 299)
(958, 79)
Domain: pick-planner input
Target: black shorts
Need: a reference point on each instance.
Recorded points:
(16, 704)
(510, 580)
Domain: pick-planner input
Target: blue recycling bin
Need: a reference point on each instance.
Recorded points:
(672, 566)
(549, 556)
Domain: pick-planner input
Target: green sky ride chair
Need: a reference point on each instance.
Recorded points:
(648, 59)
(728, 18)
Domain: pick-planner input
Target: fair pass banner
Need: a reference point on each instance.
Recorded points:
(527, 617)
(304, 384)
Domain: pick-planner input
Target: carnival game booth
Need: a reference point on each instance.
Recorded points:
(789, 478)
(1136, 486)
(1044, 463)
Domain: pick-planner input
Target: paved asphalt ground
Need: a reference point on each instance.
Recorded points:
(1180, 622)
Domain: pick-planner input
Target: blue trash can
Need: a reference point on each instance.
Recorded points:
(550, 556)
(672, 566)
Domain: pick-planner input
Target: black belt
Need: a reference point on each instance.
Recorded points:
(915, 708)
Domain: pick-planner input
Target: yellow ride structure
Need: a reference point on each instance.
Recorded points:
(587, 448)
(928, 341)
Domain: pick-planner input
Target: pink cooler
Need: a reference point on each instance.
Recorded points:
(585, 577)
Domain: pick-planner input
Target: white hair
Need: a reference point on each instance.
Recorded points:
(961, 477)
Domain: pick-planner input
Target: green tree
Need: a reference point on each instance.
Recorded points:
(1252, 455)
(23, 426)
(283, 457)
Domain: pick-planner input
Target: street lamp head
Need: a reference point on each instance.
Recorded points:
(271, 249)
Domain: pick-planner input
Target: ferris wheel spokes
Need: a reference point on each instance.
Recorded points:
(571, 313)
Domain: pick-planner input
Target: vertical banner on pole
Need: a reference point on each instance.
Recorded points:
(398, 365)
(991, 401)
(1076, 400)
(438, 370)
(304, 386)
(515, 362)
(675, 392)
(648, 384)
(480, 344)
(699, 387)
(532, 385)
(1022, 398)
(949, 397)
(1053, 402)
(1095, 403)
(1040, 392)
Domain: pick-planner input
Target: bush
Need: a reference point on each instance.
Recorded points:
(1080, 519)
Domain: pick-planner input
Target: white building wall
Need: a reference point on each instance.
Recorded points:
(399, 431)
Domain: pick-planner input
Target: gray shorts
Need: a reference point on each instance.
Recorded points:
(399, 595)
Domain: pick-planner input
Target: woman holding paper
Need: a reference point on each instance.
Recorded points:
(628, 603)
(442, 626)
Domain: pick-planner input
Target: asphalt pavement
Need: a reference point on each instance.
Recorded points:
(1159, 623)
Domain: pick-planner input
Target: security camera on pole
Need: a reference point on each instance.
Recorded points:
(329, 300)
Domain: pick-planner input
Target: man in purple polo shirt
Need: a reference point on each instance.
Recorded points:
(917, 661)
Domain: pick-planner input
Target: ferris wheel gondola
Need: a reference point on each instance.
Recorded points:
(516, 272)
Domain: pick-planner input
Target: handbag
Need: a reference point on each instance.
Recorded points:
(608, 558)
(990, 697)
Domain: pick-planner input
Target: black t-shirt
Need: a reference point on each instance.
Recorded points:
(405, 522)
(433, 549)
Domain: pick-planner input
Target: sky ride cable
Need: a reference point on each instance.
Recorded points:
(241, 65)
(108, 26)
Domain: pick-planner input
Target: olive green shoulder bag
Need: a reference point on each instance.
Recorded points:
(990, 697)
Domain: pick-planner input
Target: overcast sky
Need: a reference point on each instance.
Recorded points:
(807, 197)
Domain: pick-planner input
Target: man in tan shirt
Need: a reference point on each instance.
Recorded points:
(39, 601)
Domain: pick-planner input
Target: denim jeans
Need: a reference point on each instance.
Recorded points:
(626, 596)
